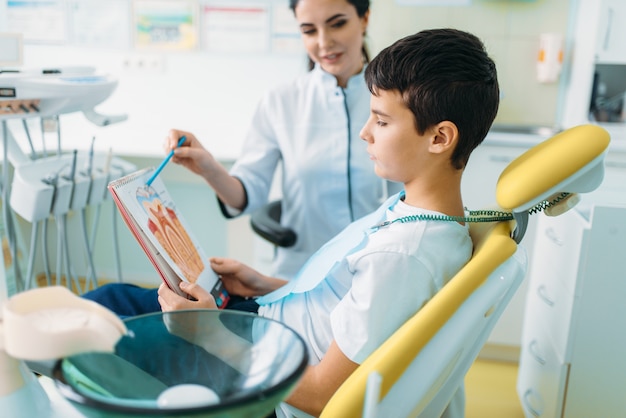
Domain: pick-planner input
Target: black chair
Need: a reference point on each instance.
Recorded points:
(265, 222)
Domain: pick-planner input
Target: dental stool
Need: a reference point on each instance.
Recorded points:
(265, 221)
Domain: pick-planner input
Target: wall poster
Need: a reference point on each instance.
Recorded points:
(38, 20)
(235, 27)
(165, 24)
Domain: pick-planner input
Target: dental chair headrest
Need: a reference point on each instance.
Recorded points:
(569, 162)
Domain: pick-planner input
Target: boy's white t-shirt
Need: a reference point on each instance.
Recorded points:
(368, 295)
(365, 297)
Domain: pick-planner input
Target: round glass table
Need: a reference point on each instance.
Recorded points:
(200, 363)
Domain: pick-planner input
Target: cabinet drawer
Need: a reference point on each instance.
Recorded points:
(541, 379)
(557, 249)
(549, 306)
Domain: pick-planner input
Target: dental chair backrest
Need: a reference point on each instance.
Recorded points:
(418, 370)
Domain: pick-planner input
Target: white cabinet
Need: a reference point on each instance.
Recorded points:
(594, 79)
(574, 335)
(611, 36)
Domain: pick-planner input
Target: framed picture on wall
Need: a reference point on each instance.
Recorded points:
(234, 26)
(101, 24)
(434, 2)
(285, 31)
(39, 21)
(168, 25)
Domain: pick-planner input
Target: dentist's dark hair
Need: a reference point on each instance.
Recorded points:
(361, 6)
(442, 75)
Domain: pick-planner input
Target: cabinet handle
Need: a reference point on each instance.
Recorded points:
(500, 158)
(607, 34)
(532, 349)
(541, 292)
(554, 237)
(615, 164)
(526, 398)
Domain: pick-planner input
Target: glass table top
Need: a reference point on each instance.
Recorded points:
(188, 363)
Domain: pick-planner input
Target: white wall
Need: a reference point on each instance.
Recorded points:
(510, 30)
(214, 96)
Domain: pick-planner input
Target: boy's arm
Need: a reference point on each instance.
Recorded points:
(320, 382)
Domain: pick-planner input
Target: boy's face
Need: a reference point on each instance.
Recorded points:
(393, 143)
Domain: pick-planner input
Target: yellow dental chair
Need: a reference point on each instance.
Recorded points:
(418, 371)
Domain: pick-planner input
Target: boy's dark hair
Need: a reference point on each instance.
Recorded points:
(361, 6)
(442, 74)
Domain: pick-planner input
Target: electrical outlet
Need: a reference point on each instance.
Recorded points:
(144, 63)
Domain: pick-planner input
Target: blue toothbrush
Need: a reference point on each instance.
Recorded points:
(181, 141)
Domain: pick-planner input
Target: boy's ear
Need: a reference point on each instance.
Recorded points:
(445, 137)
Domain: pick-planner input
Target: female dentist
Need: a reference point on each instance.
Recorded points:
(311, 125)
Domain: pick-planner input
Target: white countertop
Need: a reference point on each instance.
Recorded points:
(527, 140)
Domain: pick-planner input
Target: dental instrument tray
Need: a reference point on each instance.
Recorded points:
(47, 92)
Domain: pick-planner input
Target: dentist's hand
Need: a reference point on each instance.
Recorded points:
(191, 154)
(197, 159)
(170, 301)
(239, 279)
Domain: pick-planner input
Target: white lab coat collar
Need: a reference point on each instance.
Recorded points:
(329, 81)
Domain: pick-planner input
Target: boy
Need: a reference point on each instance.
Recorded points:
(434, 97)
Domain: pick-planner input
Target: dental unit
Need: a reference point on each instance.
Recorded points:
(47, 329)
(44, 187)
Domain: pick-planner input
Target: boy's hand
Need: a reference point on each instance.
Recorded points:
(241, 280)
(170, 301)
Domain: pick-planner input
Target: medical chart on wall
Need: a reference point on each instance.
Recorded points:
(165, 25)
(214, 26)
(285, 31)
(42, 21)
(104, 24)
(434, 2)
(235, 27)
